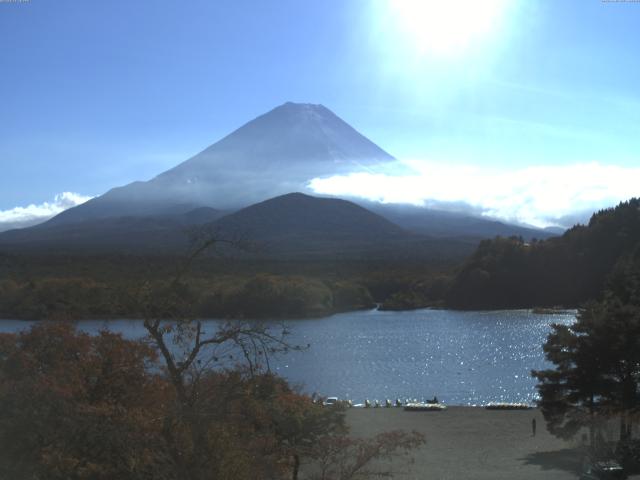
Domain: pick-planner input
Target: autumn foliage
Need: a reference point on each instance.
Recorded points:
(77, 406)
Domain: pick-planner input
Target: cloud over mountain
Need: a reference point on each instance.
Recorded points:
(539, 195)
(20, 217)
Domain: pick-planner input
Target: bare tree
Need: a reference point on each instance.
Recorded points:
(189, 350)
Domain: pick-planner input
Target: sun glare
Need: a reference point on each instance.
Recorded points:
(445, 27)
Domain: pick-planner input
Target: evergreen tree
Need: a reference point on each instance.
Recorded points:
(597, 360)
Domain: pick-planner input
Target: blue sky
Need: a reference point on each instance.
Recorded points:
(99, 94)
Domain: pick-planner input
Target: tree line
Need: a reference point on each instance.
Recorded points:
(83, 287)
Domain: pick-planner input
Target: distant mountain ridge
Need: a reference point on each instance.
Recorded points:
(441, 223)
(294, 224)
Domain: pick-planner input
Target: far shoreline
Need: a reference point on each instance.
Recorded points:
(311, 316)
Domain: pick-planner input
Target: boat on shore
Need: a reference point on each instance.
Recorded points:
(424, 407)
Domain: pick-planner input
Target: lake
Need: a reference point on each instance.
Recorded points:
(464, 358)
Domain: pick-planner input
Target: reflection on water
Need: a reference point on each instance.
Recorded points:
(462, 357)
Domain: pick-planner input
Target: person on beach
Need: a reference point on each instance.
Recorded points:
(533, 426)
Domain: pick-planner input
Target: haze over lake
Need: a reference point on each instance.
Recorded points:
(462, 357)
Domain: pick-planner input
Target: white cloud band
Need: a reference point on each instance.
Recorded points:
(20, 217)
(539, 195)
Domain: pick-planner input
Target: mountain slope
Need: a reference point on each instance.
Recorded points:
(301, 226)
(276, 153)
(128, 234)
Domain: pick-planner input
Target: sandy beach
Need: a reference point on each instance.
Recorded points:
(474, 443)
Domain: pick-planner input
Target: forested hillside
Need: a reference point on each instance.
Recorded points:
(109, 286)
(561, 271)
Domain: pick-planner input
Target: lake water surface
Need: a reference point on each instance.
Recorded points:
(462, 357)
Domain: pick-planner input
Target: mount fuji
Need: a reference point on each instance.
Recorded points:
(274, 154)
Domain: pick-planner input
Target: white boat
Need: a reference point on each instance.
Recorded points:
(425, 407)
